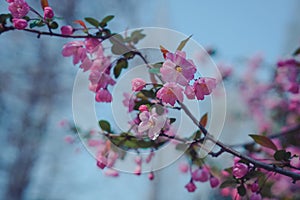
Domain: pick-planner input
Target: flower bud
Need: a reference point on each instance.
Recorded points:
(239, 170)
(67, 30)
(191, 187)
(48, 13)
(137, 84)
(20, 24)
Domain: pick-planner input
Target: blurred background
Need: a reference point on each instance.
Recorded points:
(36, 89)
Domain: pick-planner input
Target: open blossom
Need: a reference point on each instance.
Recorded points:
(191, 187)
(189, 92)
(152, 123)
(239, 170)
(255, 196)
(91, 44)
(170, 93)
(18, 8)
(75, 49)
(103, 95)
(128, 101)
(177, 68)
(48, 13)
(137, 84)
(20, 24)
(67, 30)
(204, 86)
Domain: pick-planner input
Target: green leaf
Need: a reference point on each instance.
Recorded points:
(183, 43)
(241, 190)
(148, 93)
(104, 125)
(106, 19)
(254, 174)
(296, 52)
(4, 18)
(136, 36)
(264, 141)
(92, 21)
(121, 64)
(203, 120)
(228, 183)
(282, 155)
(154, 70)
(172, 120)
(40, 23)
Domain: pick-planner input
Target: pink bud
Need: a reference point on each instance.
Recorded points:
(200, 175)
(214, 182)
(143, 108)
(255, 196)
(20, 24)
(138, 170)
(67, 30)
(48, 13)
(183, 167)
(138, 160)
(101, 162)
(69, 139)
(137, 84)
(149, 157)
(151, 176)
(239, 170)
(191, 187)
(254, 187)
(111, 173)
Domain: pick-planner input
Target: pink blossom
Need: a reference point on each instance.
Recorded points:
(10, 1)
(128, 101)
(191, 187)
(189, 92)
(18, 8)
(48, 13)
(75, 49)
(91, 44)
(151, 176)
(254, 187)
(143, 108)
(239, 170)
(214, 182)
(69, 139)
(111, 173)
(67, 30)
(137, 84)
(177, 68)
(152, 123)
(112, 158)
(138, 170)
(255, 196)
(86, 64)
(94, 143)
(184, 167)
(103, 95)
(20, 24)
(149, 157)
(204, 86)
(102, 79)
(200, 175)
(138, 160)
(170, 92)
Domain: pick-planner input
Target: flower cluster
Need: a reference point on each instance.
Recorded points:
(90, 55)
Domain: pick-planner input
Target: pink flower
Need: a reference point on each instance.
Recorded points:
(111, 173)
(138, 170)
(86, 64)
(177, 68)
(10, 1)
(152, 123)
(214, 182)
(18, 8)
(143, 108)
(149, 157)
(75, 49)
(48, 13)
(67, 30)
(20, 24)
(103, 95)
(91, 44)
(128, 101)
(170, 92)
(255, 196)
(101, 162)
(69, 139)
(191, 187)
(200, 175)
(239, 170)
(254, 187)
(137, 84)
(204, 86)
(189, 92)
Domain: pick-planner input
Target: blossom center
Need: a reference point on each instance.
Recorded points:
(178, 68)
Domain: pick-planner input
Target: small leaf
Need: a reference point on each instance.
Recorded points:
(136, 36)
(203, 120)
(104, 125)
(296, 52)
(172, 120)
(44, 3)
(81, 23)
(54, 25)
(164, 51)
(183, 43)
(241, 190)
(148, 93)
(106, 19)
(92, 21)
(264, 141)
(228, 183)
